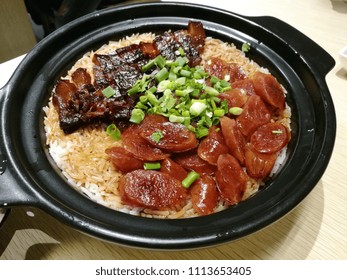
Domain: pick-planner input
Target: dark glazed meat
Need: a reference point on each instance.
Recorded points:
(80, 102)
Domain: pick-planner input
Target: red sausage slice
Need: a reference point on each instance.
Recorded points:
(223, 70)
(270, 138)
(172, 168)
(234, 97)
(191, 161)
(246, 85)
(212, 146)
(234, 139)
(174, 137)
(231, 179)
(123, 160)
(258, 165)
(269, 89)
(204, 195)
(255, 113)
(151, 189)
(139, 147)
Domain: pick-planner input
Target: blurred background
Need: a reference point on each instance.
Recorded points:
(23, 23)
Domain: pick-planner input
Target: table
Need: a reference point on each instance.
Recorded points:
(316, 229)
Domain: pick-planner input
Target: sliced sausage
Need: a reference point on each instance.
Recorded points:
(223, 70)
(234, 97)
(246, 85)
(123, 160)
(270, 138)
(172, 168)
(258, 165)
(151, 189)
(255, 113)
(174, 137)
(139, 147)
(191, 161)
(269, 89)
(204, 195)
(233, 138)
(231, 179)
(212, 146)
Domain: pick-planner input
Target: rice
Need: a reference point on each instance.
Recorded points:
(81, 155)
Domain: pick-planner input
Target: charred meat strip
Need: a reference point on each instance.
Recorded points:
(80, 102)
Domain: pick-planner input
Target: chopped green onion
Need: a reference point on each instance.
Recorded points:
(277, 131)
(235, 111)
(142, 106)
(137, 116)
(163, 85)
(171, 63)
(197, 108)
(108, 92)
(181, 81)
(180, 93)
(167, 101)
(181, 51)
(190, 179)
(162, 75)
(160, 61)
(143, 98)
(152, 99)
(153, 89)
(181, 61)
(148, 65)
(185, 73)
(218, 113)
(151, 165)
(135, 89)
(224, 83)
(113, 131)
(140, 85)
(157, 136)
(201, 132)
(214, 80)
(172, 76)
(226, 88)
(211, 91)
(176, 119)
(246, 47)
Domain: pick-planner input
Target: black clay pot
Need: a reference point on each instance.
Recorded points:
(28, 176)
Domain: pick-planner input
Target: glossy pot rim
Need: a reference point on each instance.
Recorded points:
(30, 178)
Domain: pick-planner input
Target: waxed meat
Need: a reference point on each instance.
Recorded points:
(81, 102)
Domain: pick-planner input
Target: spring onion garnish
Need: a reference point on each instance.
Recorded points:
(190, 179)
(137, 116)
(180, 94)
(220, 85)
(246, 47)
(277, 131)
(197, 107)
(157, 136)
(151, 165)
(140, 85)
(176, 119)
(108, 92)
(162, 75)
(235, 111)
(113, 131)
